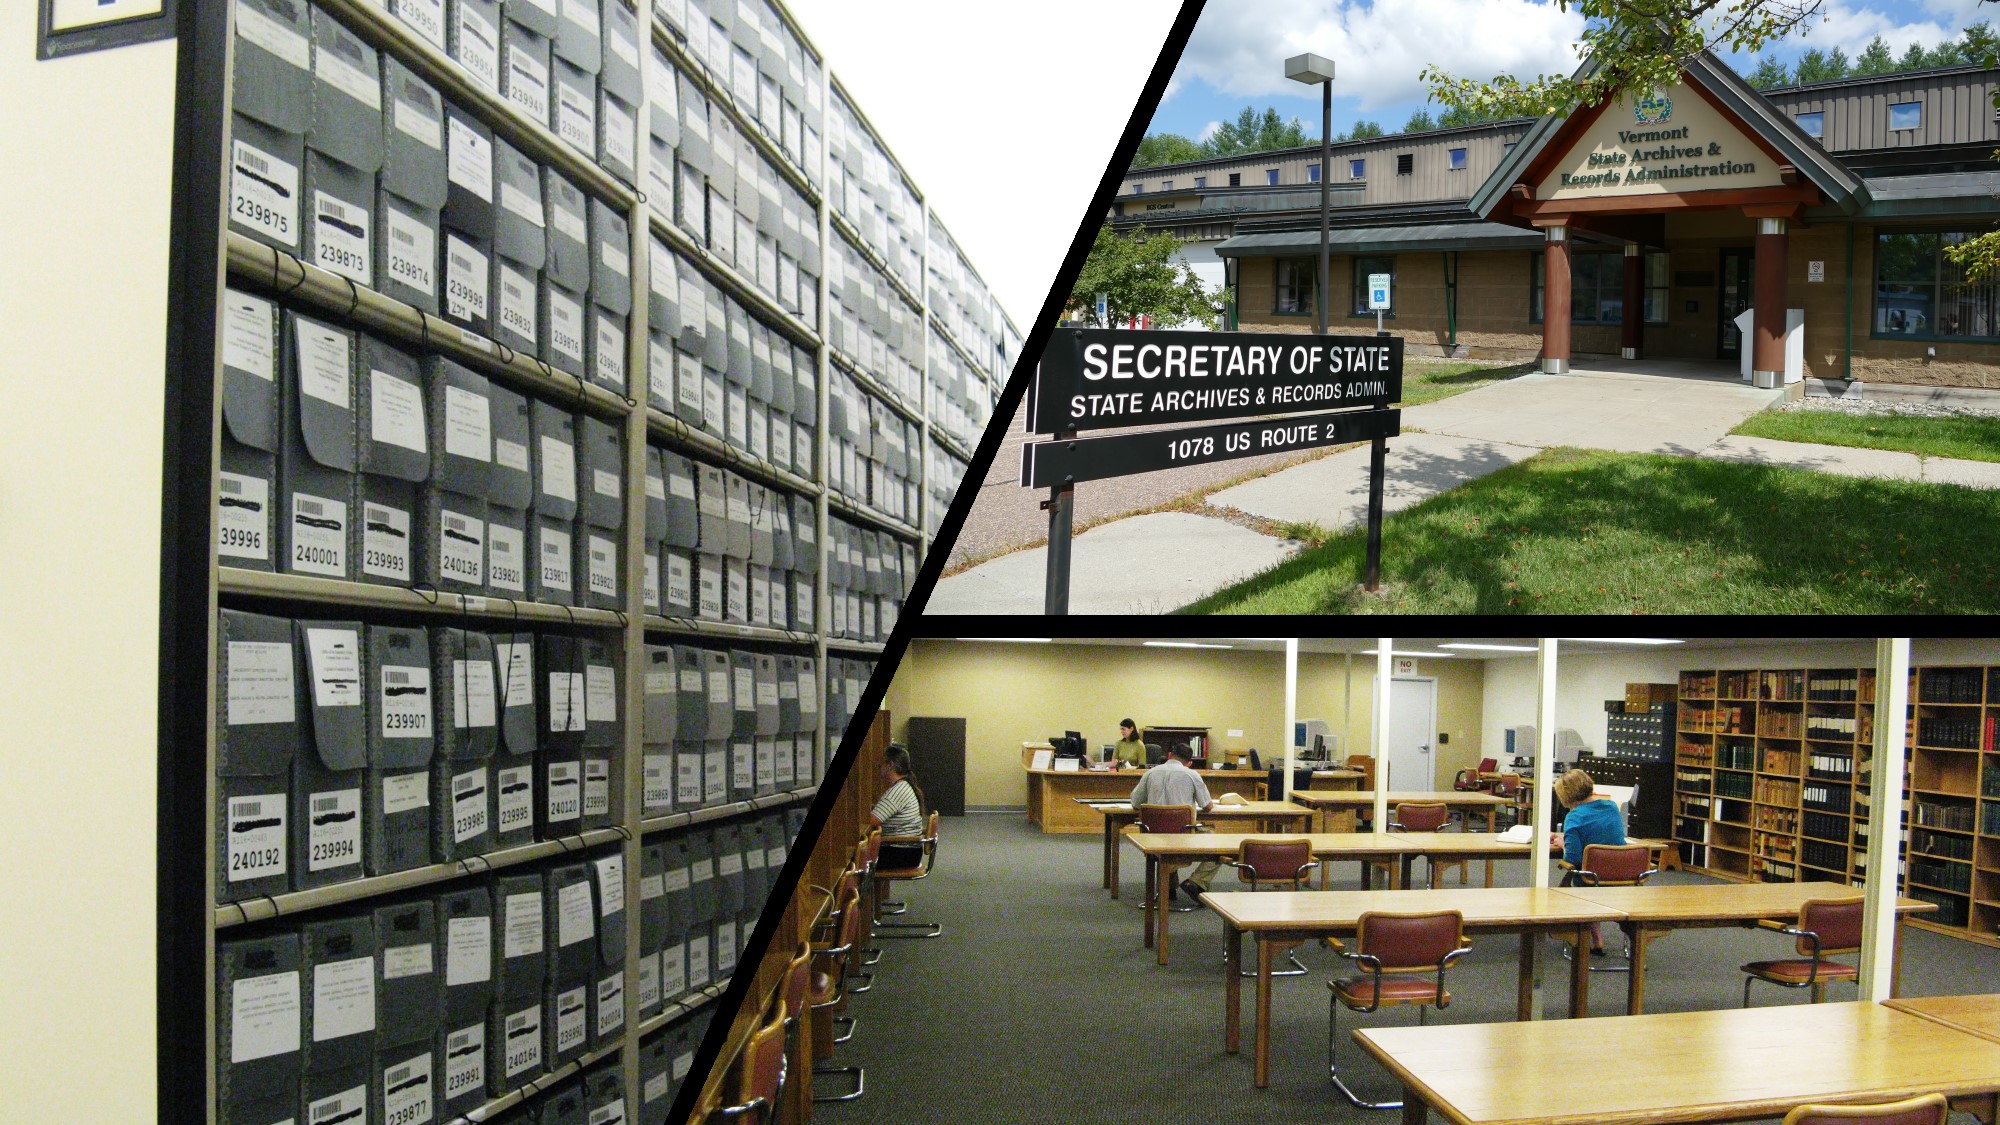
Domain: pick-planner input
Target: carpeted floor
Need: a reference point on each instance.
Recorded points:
(1039, 1004)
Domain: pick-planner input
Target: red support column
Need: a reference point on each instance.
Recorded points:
(1555, 301)
(1767, 357)
(1632, 330)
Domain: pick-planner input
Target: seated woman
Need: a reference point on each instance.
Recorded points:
(900, 811)
(1593, 818)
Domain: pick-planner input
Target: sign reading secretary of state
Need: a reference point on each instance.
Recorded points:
(1093, 379)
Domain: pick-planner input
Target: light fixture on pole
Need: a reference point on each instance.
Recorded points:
(1310, 69)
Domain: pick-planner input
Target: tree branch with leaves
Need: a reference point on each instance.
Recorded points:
(1139, 276)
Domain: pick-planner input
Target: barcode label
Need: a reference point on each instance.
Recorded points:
(310, 507)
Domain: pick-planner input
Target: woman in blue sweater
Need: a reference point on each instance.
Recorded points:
(1593, 818)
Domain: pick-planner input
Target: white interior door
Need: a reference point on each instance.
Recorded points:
(1412, 729)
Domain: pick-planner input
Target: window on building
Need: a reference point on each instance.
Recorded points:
(1138, 189)
(1919, 293)
(1357, 169)
(1312, 173)
(1906, 115)
(1814, 124)
(1235, 179)
(1597, 286)
(1362, 268)
(1295, 286)
(1458, 160)
(1508, 146)
(1201, 181)
(1166, 185)
(1271, 176)
(1405, 164)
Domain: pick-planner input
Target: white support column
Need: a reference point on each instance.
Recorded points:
(1885, 818)
(1378, 743)
(1545, 758)
(1284, 792)
(1347, 703)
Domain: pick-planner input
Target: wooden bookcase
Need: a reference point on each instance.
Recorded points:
(1771, 773)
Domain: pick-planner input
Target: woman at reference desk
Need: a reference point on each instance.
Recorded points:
(1593, 818)
(1130, 751)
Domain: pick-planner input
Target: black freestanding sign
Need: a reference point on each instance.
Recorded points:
(1095, 379)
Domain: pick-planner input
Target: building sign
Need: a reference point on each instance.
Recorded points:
(1048, 463)
(1095, 379)
(1670, 140)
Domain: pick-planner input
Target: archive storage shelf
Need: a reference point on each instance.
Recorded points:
(683, 143)
(1772, 777)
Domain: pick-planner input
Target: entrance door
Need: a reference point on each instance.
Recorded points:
(1736, 296)
(1412, 728)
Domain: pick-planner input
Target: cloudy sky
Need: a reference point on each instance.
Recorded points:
(1237, 54)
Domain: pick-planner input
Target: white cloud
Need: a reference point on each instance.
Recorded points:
(1851, 29)
(1208, 130)
(1379, 49)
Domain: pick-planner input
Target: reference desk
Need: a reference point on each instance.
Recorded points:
(1284, 919)
(1737, 1064)
(1258, 816)
(1053, 794)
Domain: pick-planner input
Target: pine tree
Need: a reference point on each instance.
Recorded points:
(1363, 130)
(1819, 66)
(1876, 59)
(1420, 122)
(1770, 72)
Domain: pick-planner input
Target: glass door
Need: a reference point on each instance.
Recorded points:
(1736, 296)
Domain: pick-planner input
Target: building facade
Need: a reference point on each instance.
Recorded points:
(1832, 202)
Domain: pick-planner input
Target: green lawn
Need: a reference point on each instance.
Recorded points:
(1584, 531)
(1971, 437)
(1429, 382)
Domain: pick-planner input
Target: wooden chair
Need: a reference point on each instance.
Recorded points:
(1423, 816)
(1403, 958)
(922, 870)
(1608, 865)
(1170, 819)
(1261, 863)
(829, 990)
(759, 1079)
(868, 857)
(1824, 928)
(1925, 1109)
(1474, 779)
(1507, 785)
(795, 991)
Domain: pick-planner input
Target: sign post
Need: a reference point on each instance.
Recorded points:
(1269, 394)
(1378, 297)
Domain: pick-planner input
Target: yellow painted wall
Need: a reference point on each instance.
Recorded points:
(1011, 693)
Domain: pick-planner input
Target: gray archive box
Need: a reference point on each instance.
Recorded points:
(766, 776)
(248, 470)
(623, 33)
(401, 702)
(330, 769)
(604, 1084)
(270, 113)
(564, 1105)
(663, 294)
(762, 501)
(600, 463)
(708, 586)
(573, 106)
(579, 35)
(466, 263)
(551, 547)
(316, 480)
(611, 258)
(607, 349)
(564, 327)
(474, 40)
(406, 980)
(343, 150)
(659, 723)
(688, 379)
(736, 507)
(425, 17)
(257, 1030)
(682, 527)
(510, 493)
(520, 247)
(677, 581)
(663, 96)
(568, 230)
(469, 196)
(602, 790)
(524, 62)
(760, 362)
(406, 1087)
(560, 692)
(656, 1078)
(652, 917)
(671, 941)
(514, 762)
(618, 135)
(713, 499)
(394, 459)
(515, 1037)
(743, 693)
(413, 188)
(540, 16)
(787, 673)
(257, 705)
(337, 984)
(607, 1007)
(656, 499)
(659, 156)
(764, 674)
(451, 523)
(516, 305)
(468, 733)
(740, 363)
(783, 555)
(570, 937)
(465, 953)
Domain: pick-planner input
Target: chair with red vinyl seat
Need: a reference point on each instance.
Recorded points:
(1169, 819)
(758, 1081)
(1475, 779)
(1266, 862)
(922, 870)
(1403, 958)
(1824, 927)
(1608, 865)
(1423, 816)
(1507, 785)
(828, 992)
(795, 990)
(1926, 1109)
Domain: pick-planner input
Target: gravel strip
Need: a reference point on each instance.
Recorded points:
(1866, 406)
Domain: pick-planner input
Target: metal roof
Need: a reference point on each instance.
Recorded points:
(1927, 195)
(1362, 240)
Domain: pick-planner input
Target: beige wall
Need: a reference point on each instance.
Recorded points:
(1011, 693)
(84, 221)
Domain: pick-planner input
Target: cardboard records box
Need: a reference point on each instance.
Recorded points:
(270, 113)
(573, 106)
(468, 733)
(465, 948)
(343, 150)
(514, 764)
(579, 35)
(337, 962)
(515, 1037)
(248, 470)
(394, 459)
(406, 982)
(401, 739)
(618, 133)
(551, 550)
(568, 230)
(652, 925)
(607, 1006)
(467, 222)
(565, 1105)
(560, 692)
(564, 327)
(524, 62)
(538, 15)
(604, 1084)
(257, 1029)
(475, 40)
(316, 466)
(510, 493)
(413, 188)
(258, 708)
(406, 1086)
(330, 771)
(601, 737)
(569, 926)
(451, 541)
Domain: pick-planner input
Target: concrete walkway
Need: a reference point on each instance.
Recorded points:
(1333, 491)
(1656, 406)
(1848, 461)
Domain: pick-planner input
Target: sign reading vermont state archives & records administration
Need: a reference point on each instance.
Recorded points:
(1093, 379)
(1671, 140)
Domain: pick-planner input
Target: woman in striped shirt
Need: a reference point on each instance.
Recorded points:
(900, 811)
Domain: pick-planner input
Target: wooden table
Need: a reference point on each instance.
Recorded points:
(1736, 1064)
(1284, 919)
(1052, 794)
(1978, 1015)
(1651, 912)
(1270, 816)
(1446, 846)
(1338, 810)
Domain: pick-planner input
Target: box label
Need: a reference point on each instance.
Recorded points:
(558, 469)
(524, 1040)
(248, 342)
(610, 350)
(468, 805)
(565, 327)
(343, 998)
(466, 275)
(478, 49)
(528, 84)
(596, 787)
(576, 118)
(504, 554)
(469, 160)
(406, 1091)
(570, 1019)
(412, 249)
(555, 559)
(414, 118)
(340, 238)
(396, 412)
(405, 793)
(566, 701)
(263, 1017)
(461, 548)
(264, 193)
(600, 693)
(407, 961)
(252, 24)
(468, 957)
(256, 837)
(523, 922)
(465, 1061)
(406, 701)
(603, 567)
(348, 1105)
(610, 1006)
(565, 802)
(679, 576)
(333, 832)
(243, 508)
(260, 683)
(517, 299)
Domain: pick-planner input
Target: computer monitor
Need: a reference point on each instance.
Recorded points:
(1068, 745)
(1155, 754)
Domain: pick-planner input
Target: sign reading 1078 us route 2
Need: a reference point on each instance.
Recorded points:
(1093, 379)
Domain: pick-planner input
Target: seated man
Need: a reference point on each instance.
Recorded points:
(1173, 783)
